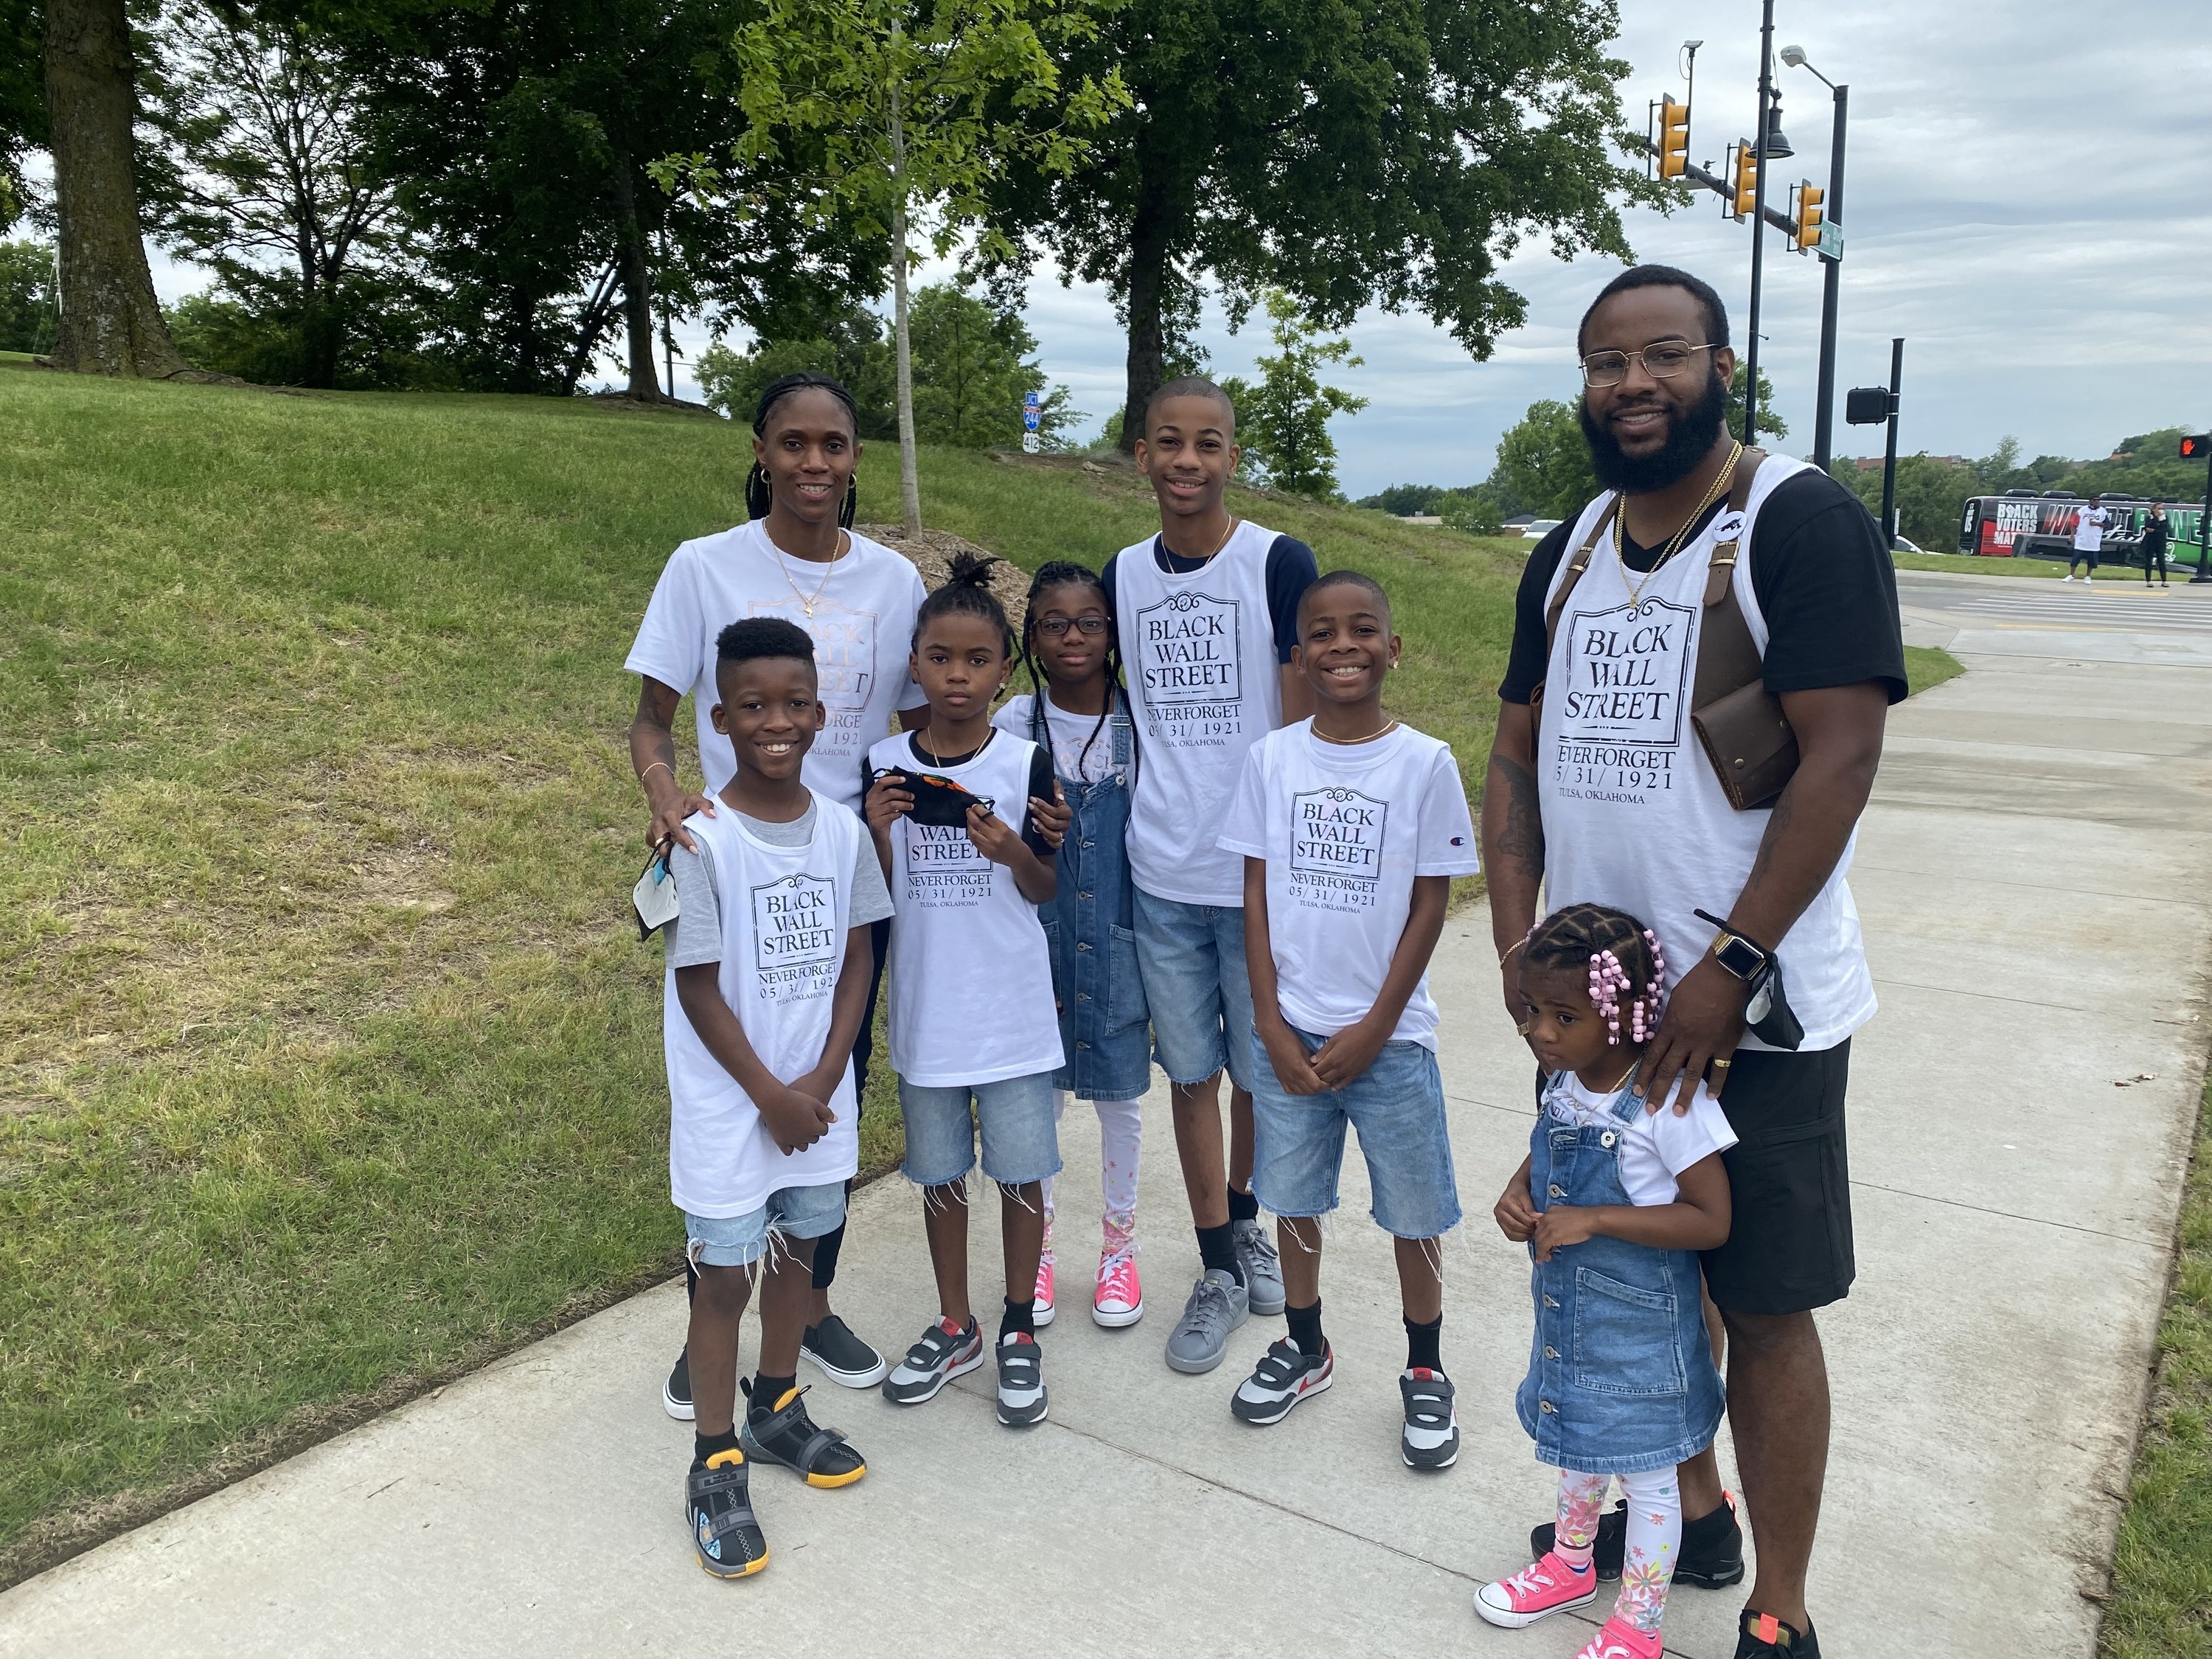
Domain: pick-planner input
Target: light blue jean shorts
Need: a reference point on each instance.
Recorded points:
(1013, 1117)
(1192, 959)
(738, 1241)
(1398, 1106)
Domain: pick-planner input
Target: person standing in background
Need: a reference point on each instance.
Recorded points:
(2156, 533)
(2088, 541)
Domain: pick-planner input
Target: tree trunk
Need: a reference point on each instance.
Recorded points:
(1149, 234)
(909, 475)
(637, 286)
(587, 331)
(110, 322)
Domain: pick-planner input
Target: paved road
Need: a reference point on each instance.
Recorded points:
(2036, 939)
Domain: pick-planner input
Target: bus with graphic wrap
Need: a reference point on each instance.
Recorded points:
(2021, 524)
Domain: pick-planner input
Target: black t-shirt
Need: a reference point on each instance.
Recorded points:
(1041, 784)
(1291, 570)
(1825, 584)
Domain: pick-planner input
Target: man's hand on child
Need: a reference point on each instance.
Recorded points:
(1344, 1059)
(1703, 1023)
(796, 1121)
(1293, 1067)
(1559, 1226)
(668, 823)
(1052, 817)
(888, 800)
(992, 837)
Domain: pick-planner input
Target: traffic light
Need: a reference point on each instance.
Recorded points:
(2197, 448)
(1743, 180)
(1673, 138)
(1809, 216)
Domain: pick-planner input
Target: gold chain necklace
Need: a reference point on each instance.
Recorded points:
(1720, 483)
(805, 602)
(1370, 737)
(1218, 546)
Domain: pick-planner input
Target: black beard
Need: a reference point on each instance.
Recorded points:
(1691, 435)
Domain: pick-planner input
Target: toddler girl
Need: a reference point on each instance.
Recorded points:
(1613, 1201)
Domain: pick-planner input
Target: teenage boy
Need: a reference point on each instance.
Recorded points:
(1206, 612)
(1351, 825)
(767, 975)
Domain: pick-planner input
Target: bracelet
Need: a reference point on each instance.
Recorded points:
(647, 773)
(1506, 956)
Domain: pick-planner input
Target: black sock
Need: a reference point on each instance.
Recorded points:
(1424, 1345)
(1242, 1206)
(766, 1390)
(1217, 1247)
(1020, 1320)
(704, 1446)
(1305, 1329)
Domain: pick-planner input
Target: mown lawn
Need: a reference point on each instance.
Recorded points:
(329, 1064)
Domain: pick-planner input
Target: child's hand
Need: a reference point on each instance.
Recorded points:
(889, 800)
(1344, 1059)
(1052, 817)
(995, 839)
(1517, 1212)
(796, 1121)
(1559, 1226)
(1293, 1068)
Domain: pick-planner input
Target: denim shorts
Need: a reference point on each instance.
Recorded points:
(1191, 958)
(738, 1241)
(1014, 1117)
(1398, 1106)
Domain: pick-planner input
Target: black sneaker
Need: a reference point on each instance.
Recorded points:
(944, 1352)
(676, 1393)
(1430, 1439)
(840, 1356)
(1765, 1636)
(718, 1506)
(1712, 1546)
(787, 1435)
(1285, 1375)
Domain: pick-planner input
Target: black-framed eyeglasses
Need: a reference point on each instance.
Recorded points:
(1057, 627)
(1662, 361)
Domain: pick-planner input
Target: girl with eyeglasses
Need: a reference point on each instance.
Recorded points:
(1075, 711)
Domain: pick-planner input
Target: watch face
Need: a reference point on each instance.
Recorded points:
(1741, 957)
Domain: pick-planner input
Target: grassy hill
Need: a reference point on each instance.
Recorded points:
(329, 1064)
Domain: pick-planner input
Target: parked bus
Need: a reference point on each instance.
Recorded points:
(2020, 524)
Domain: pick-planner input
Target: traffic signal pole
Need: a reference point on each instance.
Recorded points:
(2204, 532)
(1823, 423)
(1889, 459)
(1757, 225)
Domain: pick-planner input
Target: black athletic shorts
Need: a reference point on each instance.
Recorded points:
(1789, 1248)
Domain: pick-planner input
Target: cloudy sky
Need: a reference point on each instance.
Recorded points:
(2027, 206)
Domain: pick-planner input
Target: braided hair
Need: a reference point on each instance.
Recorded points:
(1616, 952)
(967, 590)
(1065, 572)
(759, 496)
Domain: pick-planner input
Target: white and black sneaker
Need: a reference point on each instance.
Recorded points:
(945, 1351)
(840, 1356)
(1021, 1380)
(676, 1393)
(1430, 1439)
(1285, 1375)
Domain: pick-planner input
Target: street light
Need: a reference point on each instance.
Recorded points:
(1824, 422)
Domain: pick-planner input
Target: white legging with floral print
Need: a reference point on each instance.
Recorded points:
(1654, 1537)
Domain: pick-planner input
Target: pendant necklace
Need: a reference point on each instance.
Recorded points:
(807, 602)
(1674, 543)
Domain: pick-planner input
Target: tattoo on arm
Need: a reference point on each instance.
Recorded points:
(1777, 826)
(1522, 836)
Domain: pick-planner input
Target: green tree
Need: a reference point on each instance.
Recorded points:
(911, 109)
(29, 319)
(22, 105)
(1405, 501)
(972, 367)
(1347, 152)
(848, 346)
(1771, 425)
(1930, 494)
(1475, 511)
(1545, 461)
(1282, 419)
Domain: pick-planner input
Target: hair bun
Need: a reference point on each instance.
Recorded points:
(967, 569)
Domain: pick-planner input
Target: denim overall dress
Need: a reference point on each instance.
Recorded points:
(1090, 931)
(1620, 1374)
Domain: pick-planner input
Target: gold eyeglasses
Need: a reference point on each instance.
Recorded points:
(1662, 361)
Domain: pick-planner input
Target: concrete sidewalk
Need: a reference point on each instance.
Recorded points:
(2028, 881)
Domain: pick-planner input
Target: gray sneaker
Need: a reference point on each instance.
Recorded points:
(1217, 1307)
(1263, 1269)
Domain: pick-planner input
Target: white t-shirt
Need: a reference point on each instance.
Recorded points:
(1655, 1147)
(1082, 745)
(970, 975)
(1205, 687)
(2089, 529)
(1344, 827)
(786, 915)
(863, 629)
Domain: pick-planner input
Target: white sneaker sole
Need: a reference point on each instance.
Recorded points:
(1041, 1316)
(1503, 1620)
(1285, 1407)
(958, 1368)
(1116, 1318)
(1406, 1455)
(681, 1410)
(864, 1379)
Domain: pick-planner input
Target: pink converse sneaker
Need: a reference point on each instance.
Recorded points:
(1042, 1316)
(1549, 1586)
(1118, 1300)
(1618, 1639)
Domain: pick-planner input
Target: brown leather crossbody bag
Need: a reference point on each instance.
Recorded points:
(1739, 722)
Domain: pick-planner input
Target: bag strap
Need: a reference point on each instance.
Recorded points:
(1727, 657)
(1576, 566)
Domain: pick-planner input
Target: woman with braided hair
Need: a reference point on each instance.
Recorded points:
(796, 557)
(1613, 1201)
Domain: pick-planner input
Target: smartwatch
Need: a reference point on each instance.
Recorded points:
(1735, 952)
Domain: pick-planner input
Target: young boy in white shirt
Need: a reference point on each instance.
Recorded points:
(767, 975)
(1351, 826)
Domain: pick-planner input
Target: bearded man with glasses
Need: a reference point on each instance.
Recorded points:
(1689, 733)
